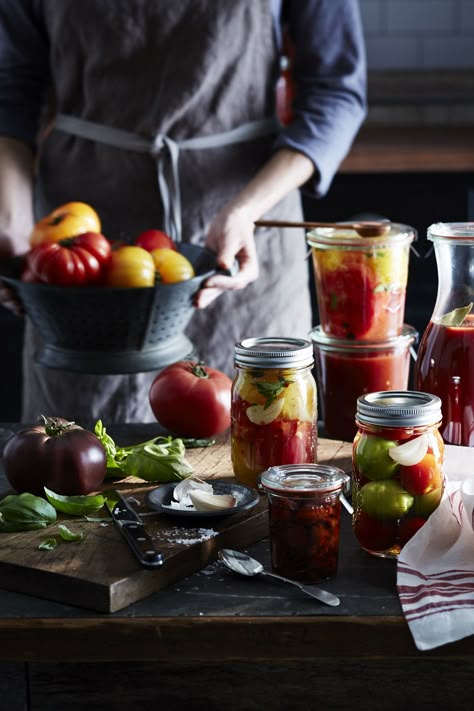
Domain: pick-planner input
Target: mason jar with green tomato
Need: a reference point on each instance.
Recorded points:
(397, 459)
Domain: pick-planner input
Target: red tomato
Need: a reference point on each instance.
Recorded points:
(130, 266)
(171, 266)
(373, 534)
(154, 239)
(422, 477)
(71, 262)
(408, 528)
(191, 400)
(348, 299)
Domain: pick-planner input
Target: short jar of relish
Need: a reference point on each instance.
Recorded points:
(397, 464)
(274, 406)
(305, 512)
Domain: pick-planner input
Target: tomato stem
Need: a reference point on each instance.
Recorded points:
(199, 370)
(54, 428)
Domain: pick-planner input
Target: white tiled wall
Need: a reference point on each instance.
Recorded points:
(419, 34)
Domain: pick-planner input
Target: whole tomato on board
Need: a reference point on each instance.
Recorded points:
(171, 266)
(191, 399)
(130, 266)
(59, 454)
(71, 262)
(68, 220)
(154, 239)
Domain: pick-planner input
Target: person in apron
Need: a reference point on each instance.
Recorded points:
(165, 118)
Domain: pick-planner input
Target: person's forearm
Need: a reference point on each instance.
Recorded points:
(284, 172)
(16, 196)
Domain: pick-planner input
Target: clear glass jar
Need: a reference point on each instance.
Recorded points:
(305, 513)
(347, 369)
(445, 362)
(274, 406)
(361, 281)
(397, 468)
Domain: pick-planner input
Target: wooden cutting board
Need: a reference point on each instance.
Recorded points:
(100, 572)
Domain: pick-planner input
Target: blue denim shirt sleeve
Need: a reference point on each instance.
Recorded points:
(330, 78)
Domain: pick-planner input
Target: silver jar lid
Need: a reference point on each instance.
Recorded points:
(304, 479)
(398, 408)
(274, 352)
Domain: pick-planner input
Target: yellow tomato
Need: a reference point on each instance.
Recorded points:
(130, 266)
(171, 265)
(69, 220)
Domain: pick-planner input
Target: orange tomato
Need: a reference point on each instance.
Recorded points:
(171, 265)
(130, 266)
(68, 220)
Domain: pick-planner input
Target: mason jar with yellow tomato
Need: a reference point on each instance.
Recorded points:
(274, 406)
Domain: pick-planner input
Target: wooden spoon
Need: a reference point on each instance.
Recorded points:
(363, 229)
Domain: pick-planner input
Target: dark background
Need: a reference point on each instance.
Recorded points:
(416, 199)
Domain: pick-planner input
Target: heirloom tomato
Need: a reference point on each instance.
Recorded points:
(171, 266)
(59, 454)
(68, 220)
(191, 399)
(154, 239)
(130, 266)
(70, 262)
(423, 477)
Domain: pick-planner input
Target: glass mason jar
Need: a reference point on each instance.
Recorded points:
(305, 511)
(361, 281)
(274, 406)
(445, 362)
(397, 468)
(347, 369)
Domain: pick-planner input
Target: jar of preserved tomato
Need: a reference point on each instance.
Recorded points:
(274, 406)
(305, 512)
(397, 459)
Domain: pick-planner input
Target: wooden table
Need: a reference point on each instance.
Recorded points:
(216, 640)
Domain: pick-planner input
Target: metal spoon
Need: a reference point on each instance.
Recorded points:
(245, 565)
(363, 229)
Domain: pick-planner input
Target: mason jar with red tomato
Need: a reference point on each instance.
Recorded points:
(274, 406)
(361, 281)
(397, 459)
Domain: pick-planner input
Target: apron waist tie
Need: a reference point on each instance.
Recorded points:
(165, 151)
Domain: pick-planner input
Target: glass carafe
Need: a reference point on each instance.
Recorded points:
(445, 362)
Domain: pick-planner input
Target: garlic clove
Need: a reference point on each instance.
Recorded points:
(182, 490)
(259, 415)
(411, 452)
(203, 501)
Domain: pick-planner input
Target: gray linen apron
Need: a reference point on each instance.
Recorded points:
(178, 70)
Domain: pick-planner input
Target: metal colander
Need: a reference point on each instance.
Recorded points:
(113, 330)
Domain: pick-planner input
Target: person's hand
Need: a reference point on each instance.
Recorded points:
(231, 236)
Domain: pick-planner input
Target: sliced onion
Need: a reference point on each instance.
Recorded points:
(411, 452)
(210, 502)
(259, 415)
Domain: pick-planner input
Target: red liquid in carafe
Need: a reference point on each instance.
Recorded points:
(445, 367)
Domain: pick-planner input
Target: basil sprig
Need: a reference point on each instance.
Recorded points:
(160, 459)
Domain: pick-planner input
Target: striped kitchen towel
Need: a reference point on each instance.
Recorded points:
(435, 570)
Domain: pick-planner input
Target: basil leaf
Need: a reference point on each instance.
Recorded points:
(192, 443)
(68, 535)
(75, 505)
(49, 544)
(456, 316)
(25, 512)
(271, 390)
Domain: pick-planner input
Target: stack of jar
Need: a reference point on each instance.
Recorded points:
(362, 344)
